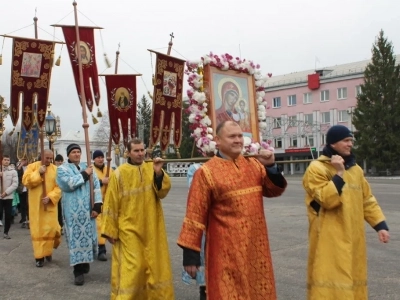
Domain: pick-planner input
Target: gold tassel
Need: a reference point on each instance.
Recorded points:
(108, 64)
(58, 61)
(1, 59)
(116, 150)
(154, 80)
(94, 120)
(99, 114)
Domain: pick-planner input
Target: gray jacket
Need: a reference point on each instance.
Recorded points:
(10, 182)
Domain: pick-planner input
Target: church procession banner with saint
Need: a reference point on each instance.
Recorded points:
(167, 101)
(122, 100)
(30, 78)
(86, 49)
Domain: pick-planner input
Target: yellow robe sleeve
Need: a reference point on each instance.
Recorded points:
(32, 178)
(373, 214)
(111, 208)
(317, 182)
(165, 187)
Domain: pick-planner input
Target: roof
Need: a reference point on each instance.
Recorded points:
(333, 71)
(73, 135)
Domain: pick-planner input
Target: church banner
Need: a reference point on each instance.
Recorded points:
(86, 50)
(122, 100)
(30, 79)
(28, 142)
(167, 102)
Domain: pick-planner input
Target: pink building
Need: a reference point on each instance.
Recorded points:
(303, 107)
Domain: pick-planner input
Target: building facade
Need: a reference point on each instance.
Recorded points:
(304, 105)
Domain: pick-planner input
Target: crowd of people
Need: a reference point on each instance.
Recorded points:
(224, 236)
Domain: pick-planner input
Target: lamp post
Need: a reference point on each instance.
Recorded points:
(52, 127)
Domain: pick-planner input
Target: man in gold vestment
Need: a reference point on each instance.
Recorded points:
(226, 200)
(133, 222)
(101, 172)
(43, 211)
(339, 200)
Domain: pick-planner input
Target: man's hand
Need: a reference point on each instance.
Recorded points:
(338, 163)
(3, 195)
(89, 170)
(191, 270)
(266, 157)
(383, 236)
(45, 200)
(1, 174)
(158, 163)
(111, 240)
(42, 169)
(105, 180)
(94, 214)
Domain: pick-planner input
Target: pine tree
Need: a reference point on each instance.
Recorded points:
(376, 116)
(143, 120)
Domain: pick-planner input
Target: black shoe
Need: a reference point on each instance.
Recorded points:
(102, 257)
(6, 236)
(86, 268)
(21, 221)
(79, 280)
(203, 295)
(39, 263)
(49, 258)
(23, 225)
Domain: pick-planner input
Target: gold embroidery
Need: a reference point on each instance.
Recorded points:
(16, 79)
(20, 47)
(46, 50)
(43, 82)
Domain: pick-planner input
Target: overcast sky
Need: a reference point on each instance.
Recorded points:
(282, 36)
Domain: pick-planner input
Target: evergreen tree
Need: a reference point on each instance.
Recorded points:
(376, 115)
(143, 120)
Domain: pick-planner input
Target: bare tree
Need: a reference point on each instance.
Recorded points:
(9, 145)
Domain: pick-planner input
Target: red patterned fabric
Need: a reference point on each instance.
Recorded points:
(121, 94)
(313, 81)
(167, 102)
(231, 210)
(88, 58)
(30, 78)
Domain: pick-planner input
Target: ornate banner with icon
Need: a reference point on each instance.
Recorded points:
(121, 95)
(167, 102)
(87, 52)
(30, 79)
(28, 141)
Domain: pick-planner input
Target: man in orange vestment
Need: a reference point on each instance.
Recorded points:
(226, 200)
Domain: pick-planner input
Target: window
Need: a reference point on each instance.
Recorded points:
(291, 100)
(310, 141)
(278, 143)
(325, 95)
(292, 121)
(293, 142)
(277, 123)
(308, 119)
(343, 116)
(358, 90)
(342, 93)
(326, 117)
(307, 98)
(276, 102)
(323, 139)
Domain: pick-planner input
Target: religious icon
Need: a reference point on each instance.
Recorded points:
(169, 84)
(84, 52)
(122, 101)
(31, 64)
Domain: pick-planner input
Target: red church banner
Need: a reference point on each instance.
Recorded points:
(30, 79)
(167, 102)
(87, 52)
(121, 94)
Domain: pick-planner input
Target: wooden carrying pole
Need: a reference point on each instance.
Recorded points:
(85, 124)
(110, 139)
(204, 159)
(41, 133)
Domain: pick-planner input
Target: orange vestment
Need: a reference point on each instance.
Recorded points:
(226, 200)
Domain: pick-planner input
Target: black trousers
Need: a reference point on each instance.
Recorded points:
(23, 206)
(6, 205)
(60, 216)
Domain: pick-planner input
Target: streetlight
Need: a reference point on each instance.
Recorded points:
(52, 126)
